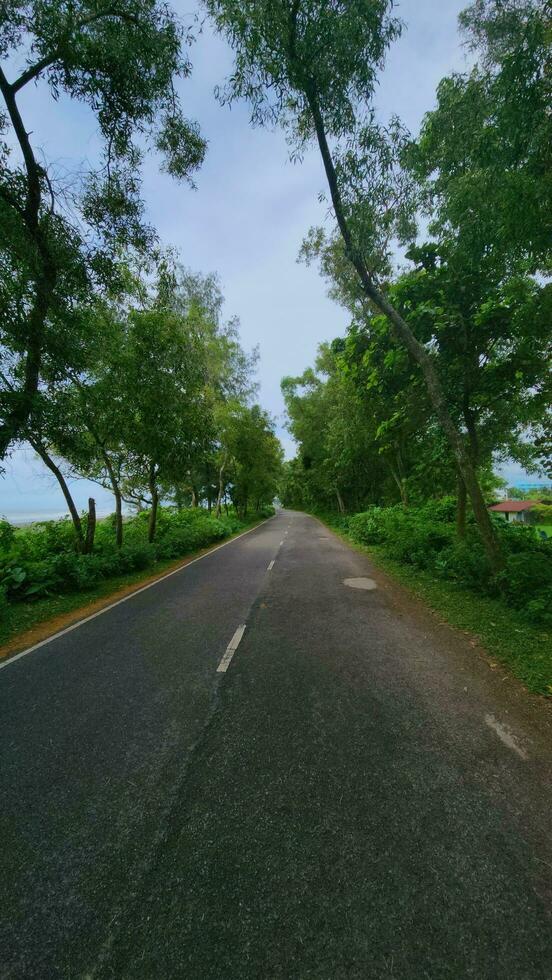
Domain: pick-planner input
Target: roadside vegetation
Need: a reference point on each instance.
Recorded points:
(43, 576)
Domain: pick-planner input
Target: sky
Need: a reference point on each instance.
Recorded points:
(245, 220)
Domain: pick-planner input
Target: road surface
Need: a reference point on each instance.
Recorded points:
(344, 789)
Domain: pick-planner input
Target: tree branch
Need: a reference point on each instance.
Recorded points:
(34, 70)
(32, 207)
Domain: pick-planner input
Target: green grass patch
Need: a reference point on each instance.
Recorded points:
(505, 633)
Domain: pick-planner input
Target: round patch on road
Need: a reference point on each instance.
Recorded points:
(360, 583)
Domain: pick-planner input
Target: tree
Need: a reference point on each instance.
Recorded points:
(365, 431)
(121, 58)
(158, 386)
(256, 458)
(484, 153)
(313, 67)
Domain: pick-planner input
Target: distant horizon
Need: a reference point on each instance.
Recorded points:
(106, 506)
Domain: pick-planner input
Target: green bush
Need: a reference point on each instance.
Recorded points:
(41, 560)
(526, 577)
(368, 527)
(465, 562)
(7, 535)
(426, 538)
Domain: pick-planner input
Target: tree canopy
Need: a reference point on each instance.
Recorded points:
(121, 60)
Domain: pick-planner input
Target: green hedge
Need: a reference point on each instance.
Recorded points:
(41, 560)
(425, 537)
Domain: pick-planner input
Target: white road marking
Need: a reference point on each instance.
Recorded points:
(230, 650)
(271, 566)
(281, 543)
(360, 583)
(81, 622)
(505, 736)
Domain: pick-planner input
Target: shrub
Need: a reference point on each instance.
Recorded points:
(7, 535)
(368, 527)
(416, 540)
(426, 538)
(526, 577)
(41, 560)
(465, 562)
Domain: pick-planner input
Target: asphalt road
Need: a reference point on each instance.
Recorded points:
(358, 795)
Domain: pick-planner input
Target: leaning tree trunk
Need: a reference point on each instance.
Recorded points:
(45, 278)
(90, 527)
(118, 499)
(340, 504)
(461, 508)
(49, 462)
(404, 336)
(152, 523)
(220, 487)
(401, 483)
(118, 518)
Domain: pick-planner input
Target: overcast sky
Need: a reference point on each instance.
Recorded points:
(245, 220)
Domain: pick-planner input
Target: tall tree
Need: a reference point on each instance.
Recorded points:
(313, 66)
(485, 152)
(122, 59)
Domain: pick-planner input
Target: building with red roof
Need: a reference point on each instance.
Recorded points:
(514, 510)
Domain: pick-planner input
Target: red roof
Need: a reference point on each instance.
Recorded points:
(512, 506)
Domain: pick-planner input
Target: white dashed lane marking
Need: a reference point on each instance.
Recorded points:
(505, 736)
(271, 566)
(230, 650)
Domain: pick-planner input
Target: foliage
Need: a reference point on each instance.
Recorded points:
(425, 538)
(484, 151)
(41, 560)
(313, 67)
(159, 408)
(121, 60)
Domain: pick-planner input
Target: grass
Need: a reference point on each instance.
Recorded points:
(18, 617)
(547, 528)
(525, 649)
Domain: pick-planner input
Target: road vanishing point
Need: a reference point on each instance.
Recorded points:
(272, 764)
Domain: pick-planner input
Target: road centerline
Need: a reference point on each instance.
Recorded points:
(231, 649)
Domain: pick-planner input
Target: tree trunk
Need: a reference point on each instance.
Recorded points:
(48, 461)
(220, 487)
(406, 339)
(194, 498)
(340, 504)
(118, 499)
(118, 519)
(45, 277)
(401, 484)
(152, 523)
(90, 527)
(461, 508)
